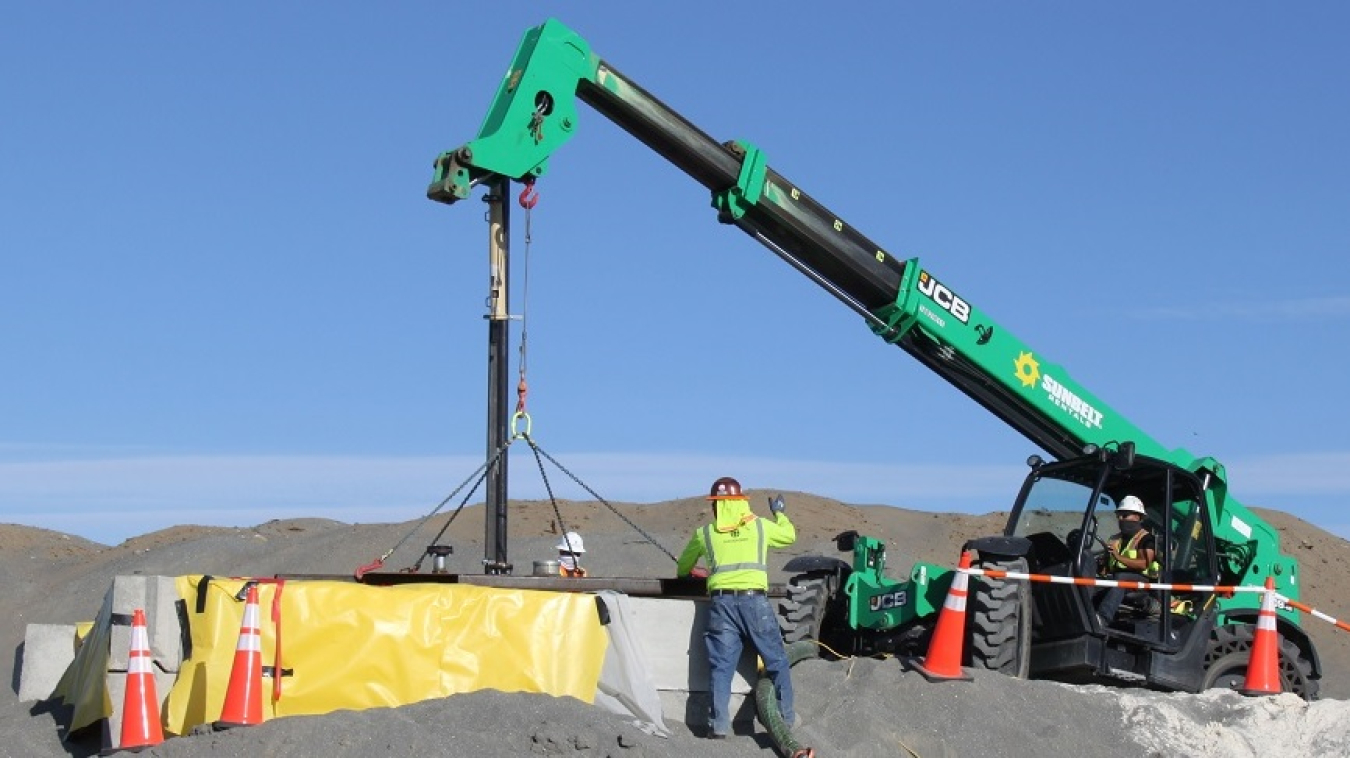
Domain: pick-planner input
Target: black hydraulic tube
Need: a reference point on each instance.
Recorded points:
(784, 214)
(499, 336)
(810, 238)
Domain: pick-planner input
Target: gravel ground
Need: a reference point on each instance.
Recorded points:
(858, 707)
(852, 708)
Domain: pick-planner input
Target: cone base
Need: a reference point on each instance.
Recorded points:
(1260, 693)
(934, 676)
(116, 750)
(221, 726)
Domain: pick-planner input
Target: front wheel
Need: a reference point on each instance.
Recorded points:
(801, 614)
(1229, 654)
(1000, 621)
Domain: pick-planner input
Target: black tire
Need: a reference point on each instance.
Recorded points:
(999, 624)
(1230, 648)
(801, 614)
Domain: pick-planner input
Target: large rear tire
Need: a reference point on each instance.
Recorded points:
(1000, 621)
(1230, 648)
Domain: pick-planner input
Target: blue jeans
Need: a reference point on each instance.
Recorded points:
(732, 621)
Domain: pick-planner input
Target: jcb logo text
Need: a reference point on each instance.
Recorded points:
(888, 601)
(938, 293)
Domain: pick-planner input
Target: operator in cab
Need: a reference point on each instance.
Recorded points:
(735, 547)
(1131, 554)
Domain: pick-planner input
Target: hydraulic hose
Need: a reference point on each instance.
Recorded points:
(766, 702)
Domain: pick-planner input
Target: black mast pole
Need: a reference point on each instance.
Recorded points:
(499, 337)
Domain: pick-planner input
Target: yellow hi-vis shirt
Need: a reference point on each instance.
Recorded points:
(737, 559)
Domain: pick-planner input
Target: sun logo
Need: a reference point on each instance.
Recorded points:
(1028, 370)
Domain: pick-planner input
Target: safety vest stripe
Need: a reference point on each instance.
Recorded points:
(759, 551)
(741, 567)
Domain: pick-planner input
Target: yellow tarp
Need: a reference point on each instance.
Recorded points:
(82, 685)
(350, 646)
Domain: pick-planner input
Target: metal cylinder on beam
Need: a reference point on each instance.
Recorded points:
(498, 412)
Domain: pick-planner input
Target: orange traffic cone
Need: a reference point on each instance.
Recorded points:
(1263, 668)
(141, 727)
(243, 699)
(943, 661)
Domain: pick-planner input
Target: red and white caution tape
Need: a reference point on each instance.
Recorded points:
(1086, 581)
(1313, 612)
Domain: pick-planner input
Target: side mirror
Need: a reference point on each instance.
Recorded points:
(846, 541)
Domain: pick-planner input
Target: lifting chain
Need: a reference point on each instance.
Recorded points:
(538, 451)
(476, 477)
(528, 199)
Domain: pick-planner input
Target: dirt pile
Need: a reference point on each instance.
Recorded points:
(862, 707)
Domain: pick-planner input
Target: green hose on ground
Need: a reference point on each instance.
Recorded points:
(766, 703)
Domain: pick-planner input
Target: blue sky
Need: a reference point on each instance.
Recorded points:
(226, 299)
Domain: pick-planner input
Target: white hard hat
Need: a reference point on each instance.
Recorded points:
(1131, 504)
(573, 539)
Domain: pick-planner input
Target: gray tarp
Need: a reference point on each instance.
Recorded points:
(626, 685)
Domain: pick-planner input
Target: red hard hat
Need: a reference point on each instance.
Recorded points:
(725, 488)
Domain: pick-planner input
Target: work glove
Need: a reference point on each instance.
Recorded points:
(776, 505)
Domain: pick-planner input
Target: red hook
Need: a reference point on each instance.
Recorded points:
(528, 196)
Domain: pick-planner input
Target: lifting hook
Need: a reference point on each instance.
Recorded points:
(529, 197)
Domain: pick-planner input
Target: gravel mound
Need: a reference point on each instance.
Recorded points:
(857, 707)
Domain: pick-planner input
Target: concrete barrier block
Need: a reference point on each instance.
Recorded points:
(672, 635)
(48, 650)
(158, 597)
